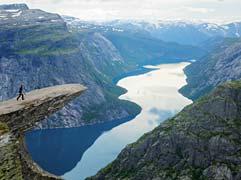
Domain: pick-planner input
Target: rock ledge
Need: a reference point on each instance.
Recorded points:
(19, 116)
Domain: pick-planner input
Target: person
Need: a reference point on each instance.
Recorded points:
(21, 95)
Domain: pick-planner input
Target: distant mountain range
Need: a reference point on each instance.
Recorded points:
(136, 45)
(187, 33)
(182, 32)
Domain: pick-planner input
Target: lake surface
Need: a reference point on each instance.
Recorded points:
(77, 153)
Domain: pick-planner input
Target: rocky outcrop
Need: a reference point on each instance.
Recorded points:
(201, 142)
(18, 116)
(39, 50)
(220, 65)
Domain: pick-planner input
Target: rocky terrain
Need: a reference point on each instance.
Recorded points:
(38, 50)
(18, 116)
(201, 142)
(220, 65)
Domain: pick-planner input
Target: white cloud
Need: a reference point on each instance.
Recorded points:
(140, 9)
(197, 10)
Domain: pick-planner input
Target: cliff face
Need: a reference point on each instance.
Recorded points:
(18, 116)
(38, 49)
(220, 65)
(201, 142)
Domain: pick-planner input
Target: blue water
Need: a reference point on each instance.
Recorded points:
(59, 150)
(77, 153)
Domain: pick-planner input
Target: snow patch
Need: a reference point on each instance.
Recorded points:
(225, 27)
(17, 14)
(212, 27)
(12, 10)
(2, 16)
(117, 30)
(193, 60)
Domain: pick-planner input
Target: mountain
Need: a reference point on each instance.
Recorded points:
(38, 49)
(181, 32)
(222, 64)
(192, 33)
(201, 142)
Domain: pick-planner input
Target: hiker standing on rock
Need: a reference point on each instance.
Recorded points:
(20, 92)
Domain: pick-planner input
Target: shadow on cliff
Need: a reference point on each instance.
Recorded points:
(59, 150)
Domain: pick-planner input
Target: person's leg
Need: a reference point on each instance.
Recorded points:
(22, 97)
(18, 97)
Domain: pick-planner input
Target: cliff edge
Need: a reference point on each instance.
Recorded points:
(18, 116)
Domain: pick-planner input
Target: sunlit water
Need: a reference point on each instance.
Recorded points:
(77, 153)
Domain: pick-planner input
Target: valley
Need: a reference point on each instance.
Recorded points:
(161, 99)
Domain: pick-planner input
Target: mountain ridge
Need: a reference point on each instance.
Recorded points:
(182, 32)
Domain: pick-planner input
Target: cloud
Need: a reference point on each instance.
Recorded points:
(198, 10)
(140, 9)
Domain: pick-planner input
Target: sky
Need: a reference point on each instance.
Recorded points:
(194, 10)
